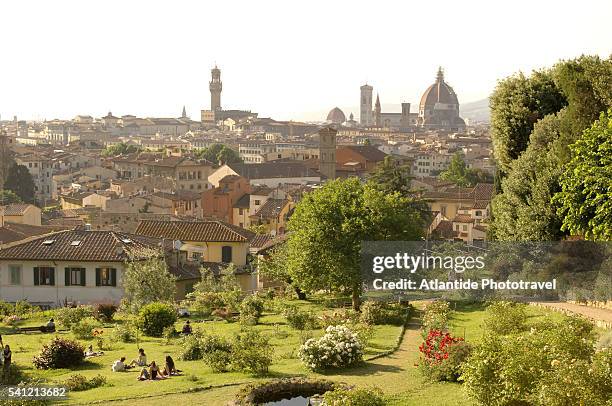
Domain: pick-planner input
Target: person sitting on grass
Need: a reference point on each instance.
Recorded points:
(91, 353)
(153, 373)
(170, 368)
(186, 328)
(141, 361)
(119, 365)
(50, 327)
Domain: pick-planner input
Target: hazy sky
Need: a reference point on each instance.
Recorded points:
(285, 59)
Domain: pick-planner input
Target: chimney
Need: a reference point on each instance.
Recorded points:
(87, 227)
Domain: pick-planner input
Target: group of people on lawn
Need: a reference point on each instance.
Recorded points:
(149, 371)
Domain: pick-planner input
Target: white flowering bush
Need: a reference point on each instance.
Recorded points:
(338, 348)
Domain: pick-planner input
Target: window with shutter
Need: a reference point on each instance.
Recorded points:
(75, 276)
(106, 277)
(44, 276)
(226, 254)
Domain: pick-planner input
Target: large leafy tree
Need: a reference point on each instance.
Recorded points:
(121, 148)
(517, 103)
(220, 153)
(329, 225)
(148, 281)
(526, 210)
(391, 177)
(19, 181)
(586, 197)
(459, 173)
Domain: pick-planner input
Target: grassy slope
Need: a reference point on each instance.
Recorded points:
(396, 375)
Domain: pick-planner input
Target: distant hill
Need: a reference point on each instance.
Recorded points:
(476, 111)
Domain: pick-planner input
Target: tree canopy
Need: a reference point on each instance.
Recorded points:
(459, 173)
(219, 153)
(148, 281)
(121, 149)
(585, 201)
(19, 181)
(526, 208)
(9, 197)
(329, 225)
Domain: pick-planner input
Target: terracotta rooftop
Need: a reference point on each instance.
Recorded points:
(17, 209)
(76, 245)
(272, 170)
(12, 232)
(210, 231)
(463, 218)
(368, 152)
(271, 208)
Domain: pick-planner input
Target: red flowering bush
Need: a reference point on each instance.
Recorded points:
(442, 356)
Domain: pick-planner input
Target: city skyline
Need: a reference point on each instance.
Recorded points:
(272, 62)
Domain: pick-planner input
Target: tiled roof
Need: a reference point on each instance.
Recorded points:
(463, 218)
(260, 240)
(369, 152)
(17, 209)
(75, 245)
(272, 170)
(480, 204)
(445, 230)
(12, 232)
(179, 195)
(271, 208)
(217, 231)
(244, 202)
(482, 191)
(480, 227)
(272, 243)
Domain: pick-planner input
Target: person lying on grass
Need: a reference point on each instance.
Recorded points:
(153, 373)
(170, 368)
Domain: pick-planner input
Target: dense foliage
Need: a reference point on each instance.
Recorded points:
(585, 200)
(155, 317)
(220, 154)
(67, 316)
(442, 356)
(251, 309)
(354, 397)
(78, 382)
(534, 121)
(505, 317)
(532, 366)
(329, 225)
(84, 328)
(105, 312)
(121, 149)
(20, 182)
(379, 312)
(59, 353)
(148, 281)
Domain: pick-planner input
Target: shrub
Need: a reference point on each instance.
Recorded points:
(605, 341)
(376, 312)
(12, 320)
(59, 353)
(206, 302)
(105, 312)
(251, 352)
(435, 316)
(154, 317)
(442, 356)
(338, 348)
(299, 319)
(67, 316)
(6, 309)
(124, 332)
(83, 329)
(169, 333)
(14, 376)
(250, 310)
(506, 317)
(191, 348)
(78, 382)
(223, 314)
(339, 317)
(23, 308)
(513, 369)
(354, 397)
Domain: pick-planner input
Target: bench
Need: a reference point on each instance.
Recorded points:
(42, 329)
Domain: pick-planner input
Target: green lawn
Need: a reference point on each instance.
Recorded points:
(395, 374)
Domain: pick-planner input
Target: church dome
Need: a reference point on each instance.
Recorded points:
(439, 92)
(336, 116)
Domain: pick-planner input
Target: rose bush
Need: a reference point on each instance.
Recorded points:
(338, 348)
(442, 356)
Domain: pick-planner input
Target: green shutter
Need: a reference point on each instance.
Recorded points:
(113, 277)
(52, 276)
(97, 276)
(67, 276)
(36, 276)
(83, 276)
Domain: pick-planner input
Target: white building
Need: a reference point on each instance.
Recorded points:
(74, 266)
